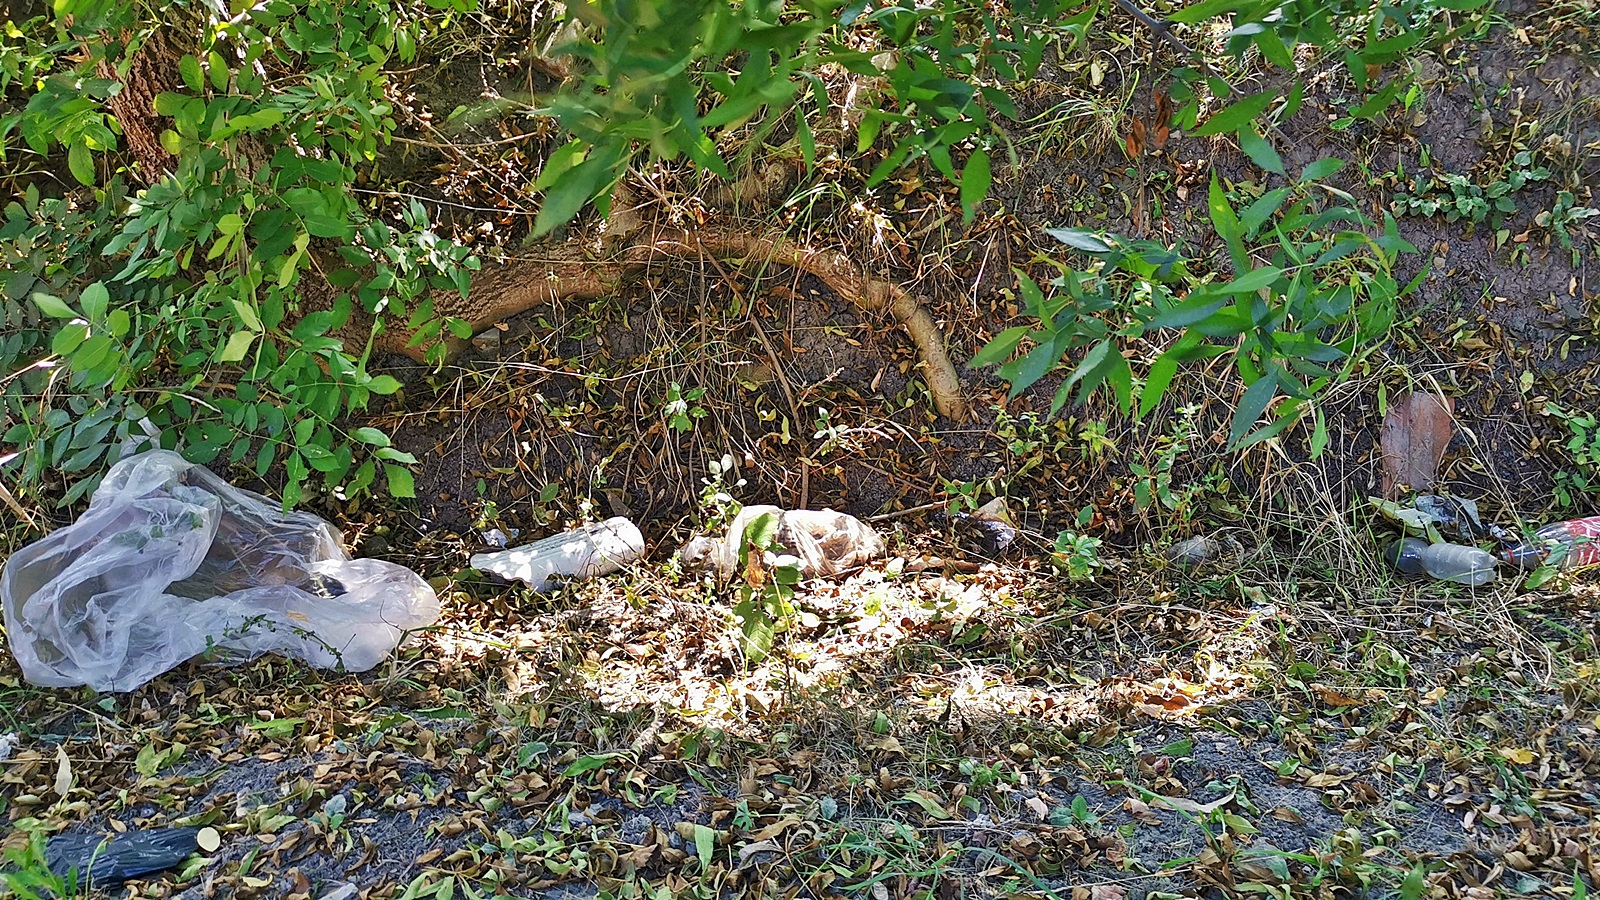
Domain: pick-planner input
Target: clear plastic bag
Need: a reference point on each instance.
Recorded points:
(171, 562)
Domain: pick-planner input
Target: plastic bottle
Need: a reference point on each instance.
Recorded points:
(1572, 544)
(596, 549)
(1446, 562)
(1405, 555)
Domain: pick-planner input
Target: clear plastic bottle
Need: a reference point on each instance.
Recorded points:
(1572, 544)
(1446, 562)
(1405, 556)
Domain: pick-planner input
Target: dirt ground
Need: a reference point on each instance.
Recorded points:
(1289, 720)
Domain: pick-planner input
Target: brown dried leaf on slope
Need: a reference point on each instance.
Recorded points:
(1414, 437)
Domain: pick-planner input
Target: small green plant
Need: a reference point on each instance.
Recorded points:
(27, 875)
(682, 408)
(1583, 449)
(1076, 555)
(1320, 297)
(1460, 198)
(1562, 217)
(766, 596)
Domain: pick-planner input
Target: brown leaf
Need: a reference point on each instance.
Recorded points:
(1135, 139)
(1108, 892)
(1414, 436)
(1163, 116)
(1161, 124)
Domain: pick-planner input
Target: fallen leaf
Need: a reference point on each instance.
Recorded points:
(1184, 804)
(63, 771)
(1519, 755)
(1414, 436)
(1141, 811)
(1108, 892)
(1135, 139)
(208, 839)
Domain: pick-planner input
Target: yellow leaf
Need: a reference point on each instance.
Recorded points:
(1519, 755)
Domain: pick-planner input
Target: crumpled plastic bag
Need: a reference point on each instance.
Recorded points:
(825, 542)
(171, 562)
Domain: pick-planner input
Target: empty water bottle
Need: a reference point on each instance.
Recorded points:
(1572, 544)
(1446, 562)
(1405, 555)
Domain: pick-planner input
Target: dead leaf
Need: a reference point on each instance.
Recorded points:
(1040, 808)
(1285, 814)
(208, 840)
(1162, 124)
(1135, 139)
(1141, 811)
(1332, 697)
(1520, 755)
(63, 781)
(1184, 804)
(1414, 436)
(1108, 892)
(749, 850)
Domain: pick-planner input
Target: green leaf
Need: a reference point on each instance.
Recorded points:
(1000, 347)
(372, 436)
(68, 338)
(563, 160)
(975, 179)
(584, 764)
(705, 841)
(1197, 307)
(569, 193)
(95, 299)
(54, 307)
(1320, 169)
(1415, 885)
(1205, 9)
(1227, 225)
(1156, 381)
(401, 483)
(759, 533)
(189, 70)
(1251, 406)
(1260, 150)
(1252, 281)
(81, 163)
(1080, 238)
(1256, 214)
(238, 346)
(1273, 50)
(1236, 115)
(384, 384)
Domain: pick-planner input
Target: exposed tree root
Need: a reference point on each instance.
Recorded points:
(515, 287)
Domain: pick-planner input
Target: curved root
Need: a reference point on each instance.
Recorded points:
(515, 287)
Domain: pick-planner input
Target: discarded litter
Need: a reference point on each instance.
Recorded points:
(170, 562)
(109, 861)
(1446, 562)
(1187, 554)
(1572, 544)
(498, 539)
(825, 542)
(598, 548)
(998, 523)
(1439, 517)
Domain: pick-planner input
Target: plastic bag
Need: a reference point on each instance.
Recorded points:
(171, 562)
(825, 542)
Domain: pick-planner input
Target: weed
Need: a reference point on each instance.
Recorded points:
(1076, 555)
(1583, 449)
